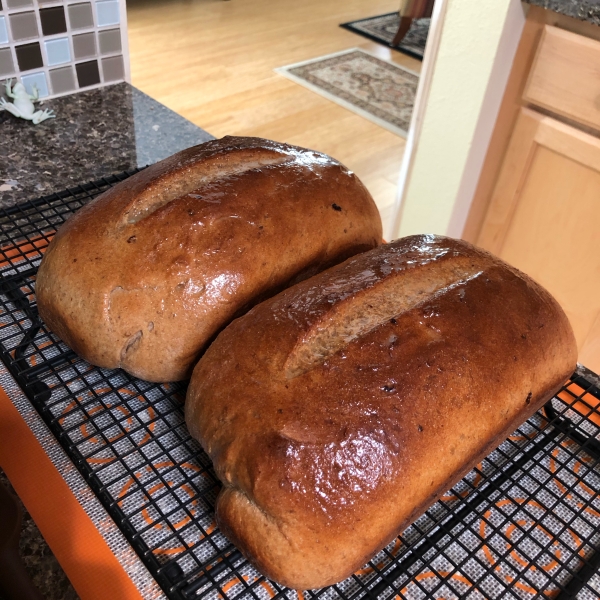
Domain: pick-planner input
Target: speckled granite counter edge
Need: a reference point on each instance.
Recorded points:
(584, 10)
(94, 134)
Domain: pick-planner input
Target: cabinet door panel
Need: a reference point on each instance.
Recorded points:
(544, 219)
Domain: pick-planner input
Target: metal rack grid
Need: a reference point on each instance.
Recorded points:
(525, 523)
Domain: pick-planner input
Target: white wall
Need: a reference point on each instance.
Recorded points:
(452, 127)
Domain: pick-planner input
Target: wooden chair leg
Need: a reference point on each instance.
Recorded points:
(15, 583)
(405, 23)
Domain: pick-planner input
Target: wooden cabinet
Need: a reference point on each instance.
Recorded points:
(543, 215)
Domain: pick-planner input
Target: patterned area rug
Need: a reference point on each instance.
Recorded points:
(383, 28)
(375, 89)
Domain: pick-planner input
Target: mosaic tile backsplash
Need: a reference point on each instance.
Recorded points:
(63, 46)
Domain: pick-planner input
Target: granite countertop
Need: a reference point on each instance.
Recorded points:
(586, 10)
(94, 134)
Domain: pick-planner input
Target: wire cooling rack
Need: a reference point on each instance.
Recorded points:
(525, 523)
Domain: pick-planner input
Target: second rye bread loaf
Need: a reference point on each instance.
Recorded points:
(144, 276)
(338, 411)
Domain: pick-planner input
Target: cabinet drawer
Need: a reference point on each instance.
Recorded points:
(565, 77)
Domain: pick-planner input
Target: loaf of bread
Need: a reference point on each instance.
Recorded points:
(338, 411)
(147, 274)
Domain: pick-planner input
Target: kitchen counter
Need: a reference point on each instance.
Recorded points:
(94, 134)
(585, 10)
(144, 470)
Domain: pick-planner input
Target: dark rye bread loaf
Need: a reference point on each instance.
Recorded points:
(338, 411)
(145, 275)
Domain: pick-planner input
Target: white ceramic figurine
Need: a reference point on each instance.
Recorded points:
(22, 105)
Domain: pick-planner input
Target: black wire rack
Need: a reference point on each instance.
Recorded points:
(525, 523)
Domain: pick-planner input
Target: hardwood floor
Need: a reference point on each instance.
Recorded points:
(212, 61)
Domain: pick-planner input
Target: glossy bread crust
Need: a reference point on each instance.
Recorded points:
(144, 276)
(338, 411)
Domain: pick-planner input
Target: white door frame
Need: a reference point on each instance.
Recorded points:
(465, 71)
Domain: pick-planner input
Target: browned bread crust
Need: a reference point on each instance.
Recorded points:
(338, 411)
(145, 275)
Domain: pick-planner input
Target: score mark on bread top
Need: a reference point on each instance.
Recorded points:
(145, 275)
(375, 296)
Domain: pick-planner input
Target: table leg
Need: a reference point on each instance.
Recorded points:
(405, 23)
